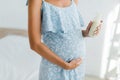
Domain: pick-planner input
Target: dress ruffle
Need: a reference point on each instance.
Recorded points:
(27, 3)
(52, 21)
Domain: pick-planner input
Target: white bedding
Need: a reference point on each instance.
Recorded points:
(17, 60)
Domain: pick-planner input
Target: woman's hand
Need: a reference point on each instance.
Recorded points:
(85, 32)
(73, 64)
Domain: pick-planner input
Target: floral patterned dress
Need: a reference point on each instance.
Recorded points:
(62, 32)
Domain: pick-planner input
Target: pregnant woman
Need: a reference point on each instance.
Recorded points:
(55, 33)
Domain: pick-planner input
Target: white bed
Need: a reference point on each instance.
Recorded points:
(17, 60)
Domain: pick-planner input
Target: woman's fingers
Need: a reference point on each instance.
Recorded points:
(75, 63)
(89, 25)
(79, 61)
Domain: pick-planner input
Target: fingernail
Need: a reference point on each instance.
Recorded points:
(78, 63)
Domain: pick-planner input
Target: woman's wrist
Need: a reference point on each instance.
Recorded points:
(85, 33)
(66, 65)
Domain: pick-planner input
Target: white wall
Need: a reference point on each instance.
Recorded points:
(13, 14)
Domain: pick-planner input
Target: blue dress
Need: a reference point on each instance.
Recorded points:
(62, 33)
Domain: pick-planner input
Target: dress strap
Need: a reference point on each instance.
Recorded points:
(27, 3)
(74, 2)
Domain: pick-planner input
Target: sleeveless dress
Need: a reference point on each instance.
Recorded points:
(62, 33)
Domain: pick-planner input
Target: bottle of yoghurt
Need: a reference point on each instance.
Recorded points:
(96, 23)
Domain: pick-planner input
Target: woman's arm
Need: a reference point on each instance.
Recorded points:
(34, 27)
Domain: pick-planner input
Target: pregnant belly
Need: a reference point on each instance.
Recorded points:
(66, 45)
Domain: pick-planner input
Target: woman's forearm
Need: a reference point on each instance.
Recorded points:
(45, 52)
